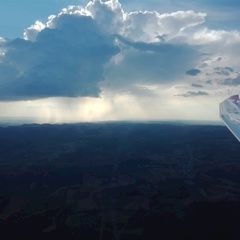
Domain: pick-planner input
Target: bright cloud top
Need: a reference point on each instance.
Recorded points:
(101, 51)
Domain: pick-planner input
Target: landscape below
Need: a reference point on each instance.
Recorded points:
(119, 181)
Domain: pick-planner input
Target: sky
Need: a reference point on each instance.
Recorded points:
(71, 61)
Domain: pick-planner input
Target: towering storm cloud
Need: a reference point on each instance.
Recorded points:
(68, 54)
(66, 60)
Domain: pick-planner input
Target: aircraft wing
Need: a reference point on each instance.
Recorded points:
(230, 114)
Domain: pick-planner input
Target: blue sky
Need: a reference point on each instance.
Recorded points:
(16, 15)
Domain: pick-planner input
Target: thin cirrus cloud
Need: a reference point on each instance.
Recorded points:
(102, 51)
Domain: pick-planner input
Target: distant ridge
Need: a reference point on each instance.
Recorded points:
(15, 121)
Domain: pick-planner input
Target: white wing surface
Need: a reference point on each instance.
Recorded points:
(230, 113)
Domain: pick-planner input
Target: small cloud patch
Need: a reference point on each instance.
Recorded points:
(232, 81)
(197, 85)
(194, 94)
(193, 72)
